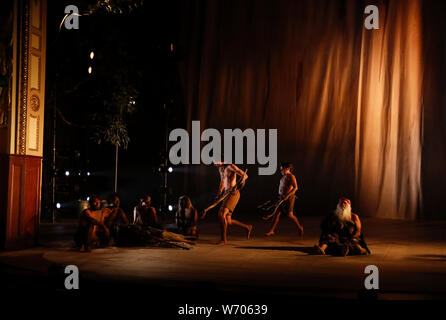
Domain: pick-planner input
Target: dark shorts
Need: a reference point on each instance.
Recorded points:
(287, 205)
(231, 201)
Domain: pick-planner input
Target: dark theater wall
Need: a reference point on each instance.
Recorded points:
(347, 101)
(433, 168)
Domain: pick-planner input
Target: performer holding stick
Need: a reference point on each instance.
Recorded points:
(228, 176)
(285, 205)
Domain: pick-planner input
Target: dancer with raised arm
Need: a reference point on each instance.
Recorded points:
(228, 186)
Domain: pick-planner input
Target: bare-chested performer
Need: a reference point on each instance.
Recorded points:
(228, 178)
(90, 225)
(114, 216)
(287, 189)
(145, 213)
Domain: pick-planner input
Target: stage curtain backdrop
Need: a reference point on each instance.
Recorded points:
(347, 101)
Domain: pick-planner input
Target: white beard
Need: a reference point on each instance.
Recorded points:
(344, 215)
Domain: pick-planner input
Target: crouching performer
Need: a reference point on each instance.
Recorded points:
(113, 217)
(342, 233)
(186, 217)
(145, 214)
(91, 228)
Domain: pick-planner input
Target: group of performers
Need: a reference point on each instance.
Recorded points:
(341, 230)
(99, 225)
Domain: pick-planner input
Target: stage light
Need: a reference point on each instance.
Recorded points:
(91, 55)
(170, 169)
(170, 208)
(88, 198)
(88, 173)
(67, 173)
(58, 205)
(90, 70)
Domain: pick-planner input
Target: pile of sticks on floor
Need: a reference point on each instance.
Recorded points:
(137, 235)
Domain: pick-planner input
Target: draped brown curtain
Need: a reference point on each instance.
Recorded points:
(347, 101)
(388, 126)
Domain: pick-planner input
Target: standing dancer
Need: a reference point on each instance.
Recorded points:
(287, 189)
(228, 176)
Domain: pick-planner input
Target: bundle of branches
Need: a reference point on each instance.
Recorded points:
(273, 204)
(139, 235)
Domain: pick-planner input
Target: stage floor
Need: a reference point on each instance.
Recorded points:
(410, 256)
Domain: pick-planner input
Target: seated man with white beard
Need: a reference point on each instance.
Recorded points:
(342, 233)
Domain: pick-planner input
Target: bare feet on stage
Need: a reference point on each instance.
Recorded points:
(248, 231)
(222, 243)
(269, 234)
(319, 250)
(300, 230)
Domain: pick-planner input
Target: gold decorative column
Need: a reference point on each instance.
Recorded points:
(21, 145)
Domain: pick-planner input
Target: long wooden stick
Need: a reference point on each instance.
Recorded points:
(262, 205)
(238, 186)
